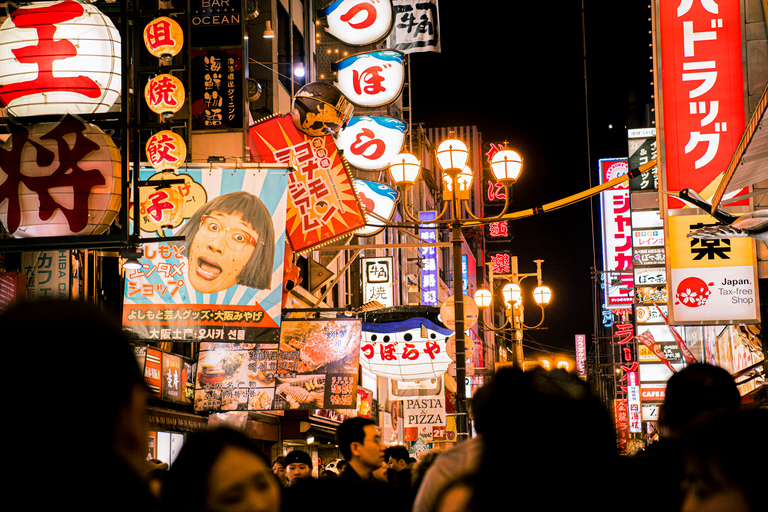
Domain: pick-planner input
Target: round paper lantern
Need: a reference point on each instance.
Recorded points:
(58, 58)
(448, 312)
(59, 179)
(166, 150)
(163, 38)
(164, 95)
(164, 207)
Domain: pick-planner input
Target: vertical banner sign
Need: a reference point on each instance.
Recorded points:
(416, 27)
(617, 235)
(314, 366)
(378, 284)
(581, 355)
(642, 149)
(429, 275)
(224, 282)
(217, 89)
(633, 402)
(703, 92)
(712, 281)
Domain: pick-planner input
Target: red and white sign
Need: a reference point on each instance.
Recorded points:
(166, 150)
(358, 22)
(59, 58)
(371, 79)
(370, 142)
(617, 235)
(703, 91)
(163, 37)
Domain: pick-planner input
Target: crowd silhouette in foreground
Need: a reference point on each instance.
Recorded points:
(543, 439)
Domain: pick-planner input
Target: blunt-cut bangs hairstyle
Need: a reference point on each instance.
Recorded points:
(257, 273)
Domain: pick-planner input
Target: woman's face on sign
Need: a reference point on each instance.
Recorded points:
(221, 248)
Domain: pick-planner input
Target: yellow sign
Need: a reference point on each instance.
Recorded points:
(687, 252)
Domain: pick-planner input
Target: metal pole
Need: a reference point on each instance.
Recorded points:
(462, 421)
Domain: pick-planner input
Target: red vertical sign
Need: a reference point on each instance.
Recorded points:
(703, 91)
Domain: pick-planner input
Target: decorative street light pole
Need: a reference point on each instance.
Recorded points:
(452, 155)
(513, 300)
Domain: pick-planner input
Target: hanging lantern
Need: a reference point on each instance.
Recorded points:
(59, 179)
(58, 58)
(166, 150)
(163, 38)
(164, 95)
(164, 207)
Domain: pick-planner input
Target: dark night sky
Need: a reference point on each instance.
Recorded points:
(516, 71)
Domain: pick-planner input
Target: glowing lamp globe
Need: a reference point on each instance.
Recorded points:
(59, 179)
(164, 95)
(404, 169)
(506, 166)
(542, 295)
(59, 58)
(452, 155)
(483, 298)
(163, 38)
(512, 293)
(166, 150)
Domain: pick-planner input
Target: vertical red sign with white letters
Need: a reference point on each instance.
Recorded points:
(703, 91)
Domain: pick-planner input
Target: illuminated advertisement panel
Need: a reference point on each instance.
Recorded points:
(617, 235)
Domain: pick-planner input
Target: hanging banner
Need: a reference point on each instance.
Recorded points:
(371, 79)
(217, 89)
(370, 142)
(711, 281)
(702, 92)
(225, 281)
(322, 203)
(409, 350)
(358, 22)
(314, 366)
(417, 27)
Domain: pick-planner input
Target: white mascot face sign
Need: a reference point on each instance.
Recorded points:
(370, 142)
(358, 22)
(371, 79)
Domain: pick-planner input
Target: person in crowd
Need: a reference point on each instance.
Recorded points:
(221, 470)
(696, 392)
(724, 461)
(400, 470)
(382, 473)
(75, 365)
(420, 468)
(360, 444)
(540, 429)
(278, 468)
(298, 466)
(156, 470)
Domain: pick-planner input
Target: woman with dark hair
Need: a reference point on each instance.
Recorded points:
(221, 471)
(230, 240)
(724, 463)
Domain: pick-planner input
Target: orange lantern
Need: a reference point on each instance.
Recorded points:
(59, 179)
(166, 150)
(164, 207)
(163, 37)
(164, 95)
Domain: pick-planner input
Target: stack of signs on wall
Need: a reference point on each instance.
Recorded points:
(313, 366)
(224, 283)
(322, 203)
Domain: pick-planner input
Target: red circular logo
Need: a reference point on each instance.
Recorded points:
(692, 292)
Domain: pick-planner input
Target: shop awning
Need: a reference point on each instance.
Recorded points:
(749, 164)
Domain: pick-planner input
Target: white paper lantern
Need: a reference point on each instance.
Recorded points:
(59, 179)
(57, 58)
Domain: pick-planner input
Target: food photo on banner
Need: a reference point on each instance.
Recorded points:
(313, 366)
(224, 282)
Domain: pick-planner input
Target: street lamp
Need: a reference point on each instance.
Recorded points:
(513, 301)
(452, 155)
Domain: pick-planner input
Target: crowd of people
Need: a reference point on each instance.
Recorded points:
(542, 437)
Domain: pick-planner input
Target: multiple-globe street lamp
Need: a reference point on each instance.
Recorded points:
(452, 155)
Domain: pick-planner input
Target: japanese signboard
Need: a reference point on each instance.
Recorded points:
(59, 58)
(642, 149)
(416, 28)
(224, 283)
(166, 150)
(358, 22)
(617, 235)
(409, 350)
(711, 281)
(429, 267)
(501, 261)
(633, 402)
(322, 203)
(163, 37)
(217, 89)
(216, 23)
(314, 366)
(378, 282)
(370, 142)
(702, 91)
(581, 354)
(371, 79)
(59, 179)
(48, 273)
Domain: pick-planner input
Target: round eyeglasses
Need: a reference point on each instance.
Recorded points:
(236, 239)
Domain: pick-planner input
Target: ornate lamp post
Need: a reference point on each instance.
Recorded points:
(452, 155)
(513, 301)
